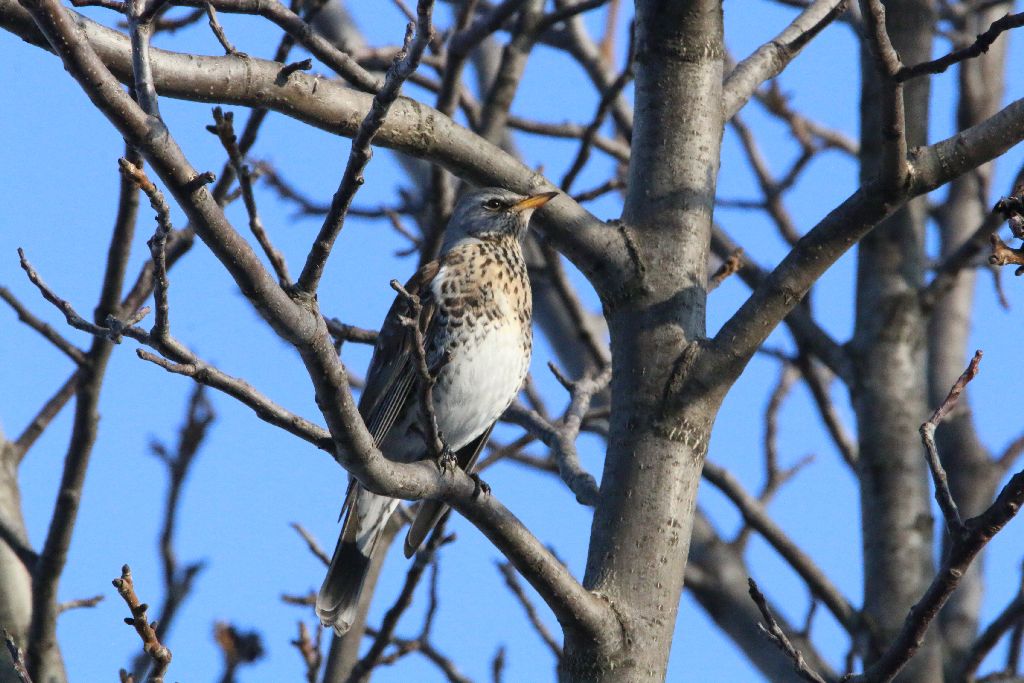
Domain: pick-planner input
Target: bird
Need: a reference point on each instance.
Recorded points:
(474, 314)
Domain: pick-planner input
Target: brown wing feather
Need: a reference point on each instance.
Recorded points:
(390, 378)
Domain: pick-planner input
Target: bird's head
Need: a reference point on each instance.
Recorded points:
(492, 213)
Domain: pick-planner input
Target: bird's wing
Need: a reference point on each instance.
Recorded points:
(392, 373)
(429, 512)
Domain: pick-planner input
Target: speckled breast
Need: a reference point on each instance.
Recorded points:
(484, 307)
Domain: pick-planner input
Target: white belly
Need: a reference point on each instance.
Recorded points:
(478, 383)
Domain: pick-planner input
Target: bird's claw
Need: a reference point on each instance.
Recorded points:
(447, 462)
(480, 487)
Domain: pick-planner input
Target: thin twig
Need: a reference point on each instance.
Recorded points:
(17, 658)
(779, 637)
(894, 166)
(151, 645)
(343, 332)
(309, 650)
(1010, 619)
(757, 517)
(140, 28)
(224, 129)
(512, 581)
(311, 542)
(942, 493)
(404, 65)
(43, 328)
(42, 419)
(79, 603)
(979, 47)
(65, 307)
(561, 436)
(608, 98)
(218, 31)
(964, 548)
(423, 560)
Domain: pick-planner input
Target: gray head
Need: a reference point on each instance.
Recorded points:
(492, 213)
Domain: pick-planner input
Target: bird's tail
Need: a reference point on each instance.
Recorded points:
(338, 600)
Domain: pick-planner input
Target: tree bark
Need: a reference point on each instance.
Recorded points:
(641, 529)
(889, 389)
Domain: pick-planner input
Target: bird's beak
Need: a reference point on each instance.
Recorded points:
(534, 201)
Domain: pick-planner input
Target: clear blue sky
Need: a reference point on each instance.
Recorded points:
(251, 480)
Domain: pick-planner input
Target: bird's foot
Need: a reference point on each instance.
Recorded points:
(480, 487)
(447, 462)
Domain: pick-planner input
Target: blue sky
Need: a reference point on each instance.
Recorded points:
(251, 480)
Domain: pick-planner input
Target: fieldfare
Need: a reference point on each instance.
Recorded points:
(475, 321)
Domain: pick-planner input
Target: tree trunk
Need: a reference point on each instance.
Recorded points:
(641, 529)
(889, 391)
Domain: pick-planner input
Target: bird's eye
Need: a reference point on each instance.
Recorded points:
(493, 204)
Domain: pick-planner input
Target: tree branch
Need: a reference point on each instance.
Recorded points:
(769, 60)
(406, 62)
(933, 166)
(151, 645)
(411, 128)
(299, 323)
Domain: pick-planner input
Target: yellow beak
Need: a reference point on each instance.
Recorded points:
(534, 201)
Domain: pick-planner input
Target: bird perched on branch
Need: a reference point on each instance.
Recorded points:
(459, 333)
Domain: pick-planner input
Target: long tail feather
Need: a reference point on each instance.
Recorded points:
(338, 600)
(339, 595)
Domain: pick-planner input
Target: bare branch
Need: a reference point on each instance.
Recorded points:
(404, 65)
(781, 291)
(964, 547)
(265, 408)
(253, 82)
(979, 47)
(43, 328)
(1011, 617)
(894, 167)
(309, 650)
(779, 637)
(223, 128)
(34, 429)
(770, 59)
(79, 604)
(383, 636)
(16, 658)
(561, 436)
(311, 543)
(604, 105)
(512, 581)
(350, 333)
(299, 31)
(942, 494)
(151, 645)
(65, 307)
(427, 374)
(755, 515)
(218, 31)
(140, 28)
